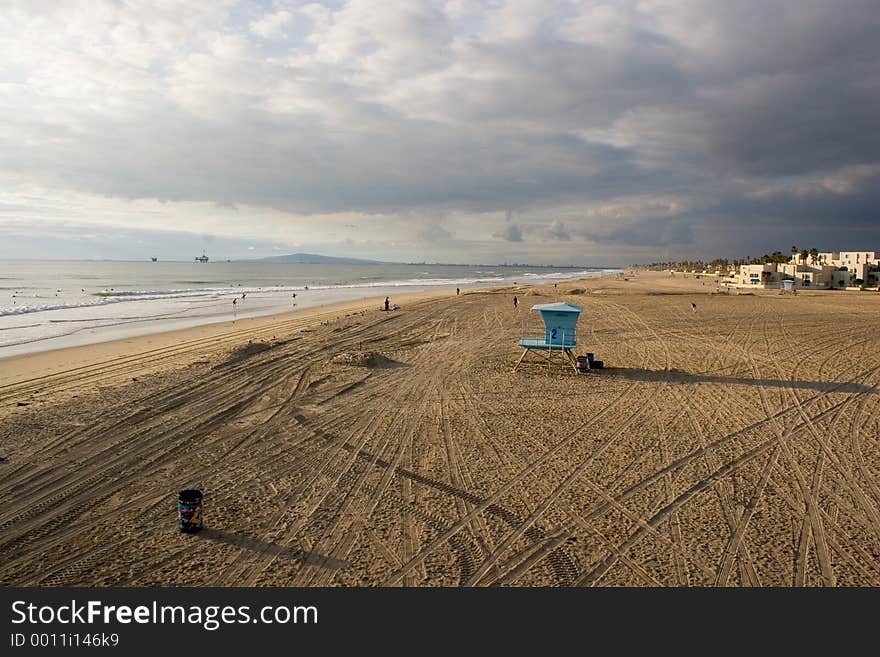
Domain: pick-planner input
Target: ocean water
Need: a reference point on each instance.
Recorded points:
(52, 304)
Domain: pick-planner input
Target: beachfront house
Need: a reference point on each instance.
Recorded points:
(862, 267)
(805, 275)
(838, 270)
(757, 275)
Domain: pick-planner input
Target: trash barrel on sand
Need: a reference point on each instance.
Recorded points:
(189, 510)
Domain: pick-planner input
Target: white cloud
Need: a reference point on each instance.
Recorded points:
(271, 26)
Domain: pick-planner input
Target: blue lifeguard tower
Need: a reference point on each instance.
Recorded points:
(560, 328)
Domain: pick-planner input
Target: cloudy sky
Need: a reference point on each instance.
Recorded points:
(457, 131)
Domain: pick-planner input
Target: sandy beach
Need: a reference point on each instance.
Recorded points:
(737, 445)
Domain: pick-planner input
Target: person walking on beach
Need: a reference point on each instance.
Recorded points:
(694, 307)
(515, 302)
(386, 303)
(457, 291)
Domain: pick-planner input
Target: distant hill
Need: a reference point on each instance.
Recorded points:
(315, 259)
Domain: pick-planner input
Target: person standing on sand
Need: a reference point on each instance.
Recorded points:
(457, 291)
(694, 307)
(515, 302)
(386, 303)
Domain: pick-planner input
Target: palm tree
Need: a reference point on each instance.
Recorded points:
(793, 252)
(814, 255)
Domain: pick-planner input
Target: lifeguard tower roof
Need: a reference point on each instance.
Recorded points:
(561, 307)
(560, 321)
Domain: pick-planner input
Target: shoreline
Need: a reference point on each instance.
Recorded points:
(125, 328)
(193, 342)
(190, 343)
(73, 319)
(62, 305)
(24, 366)
(55, 375)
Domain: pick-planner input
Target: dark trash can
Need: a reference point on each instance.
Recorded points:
(189, 511)
(597, 364)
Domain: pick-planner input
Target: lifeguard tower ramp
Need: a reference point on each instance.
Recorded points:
(560, 328)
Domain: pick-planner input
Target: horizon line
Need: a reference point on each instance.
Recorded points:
(364, 261)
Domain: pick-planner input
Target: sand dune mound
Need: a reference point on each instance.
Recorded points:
(363, 359)
(246, 351)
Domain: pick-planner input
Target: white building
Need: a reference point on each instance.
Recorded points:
(863, 267)
(832, 269)
(757, 276)
(805, 275)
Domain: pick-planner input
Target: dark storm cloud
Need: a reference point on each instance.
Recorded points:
(815, 121)
(855, 199)
(833, 214)
(657, 231)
